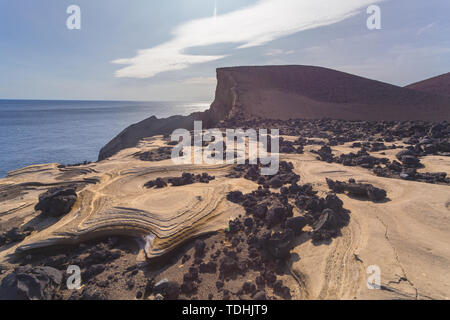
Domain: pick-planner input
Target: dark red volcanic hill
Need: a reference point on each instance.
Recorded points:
(288, 92)
(283, 92)
(437, 85)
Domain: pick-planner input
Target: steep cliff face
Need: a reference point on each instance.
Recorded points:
(222, 108)
(130, 137)
(288, 92)
(226, 103)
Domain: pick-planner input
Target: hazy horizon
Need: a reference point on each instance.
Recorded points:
(146, 51)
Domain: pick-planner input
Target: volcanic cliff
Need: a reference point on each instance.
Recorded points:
(294, 92)
(437, 85)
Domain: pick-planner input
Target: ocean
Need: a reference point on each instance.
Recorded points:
(68, 132)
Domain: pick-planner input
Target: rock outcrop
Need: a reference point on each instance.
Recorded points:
(27, 283)
(130, 137)
(294, 92)
(56, 202)
(438, 85)
(307, 92)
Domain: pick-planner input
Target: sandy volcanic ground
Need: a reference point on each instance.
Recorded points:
(407, 235)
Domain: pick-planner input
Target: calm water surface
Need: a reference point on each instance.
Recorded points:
(33, 132)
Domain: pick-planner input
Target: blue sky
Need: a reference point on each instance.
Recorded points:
(169, 50)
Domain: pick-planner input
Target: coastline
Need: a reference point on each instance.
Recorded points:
(74, 131)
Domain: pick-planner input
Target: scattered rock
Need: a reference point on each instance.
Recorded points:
(30, 283)
(280, 243)
(296, 224)
(185, 179)
(56, 202)
(260, 295)
(200, 247)
(170, 290)
(363, 190)
(235, 196)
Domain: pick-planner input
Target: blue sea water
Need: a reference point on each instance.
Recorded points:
(67, 132)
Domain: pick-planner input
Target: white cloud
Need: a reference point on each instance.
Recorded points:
(201, 80)
(252, 26)
(426, 28)
(278, 52)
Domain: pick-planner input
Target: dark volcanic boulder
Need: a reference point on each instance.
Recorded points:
(328, 225)
(235, 196)
(260, 295)
(280, 243)
(335, 186)
(28, 283)
(444, 146)
(404, 153)
(276, 215)
(328, 221)
(375, 194)
(15, 235)
(356, 189)
(93, 270)
(200, 247)
(363, 190)
(296, 224)
(170, 290)
(325, 153)
(228, 267)
(410, 161)
(57, 202)
(92, 293)
(210, 267)
(333, 202)
(366, 161)
(275, 183)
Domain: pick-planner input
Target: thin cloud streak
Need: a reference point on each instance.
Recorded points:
(253, 26)
(215, 9)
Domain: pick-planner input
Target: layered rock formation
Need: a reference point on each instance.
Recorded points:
(288, 92)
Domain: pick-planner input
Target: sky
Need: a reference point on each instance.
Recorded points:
(169, 50)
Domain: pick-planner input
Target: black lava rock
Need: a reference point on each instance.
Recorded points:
(57, 202)
(30, 283)
(296, 224)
